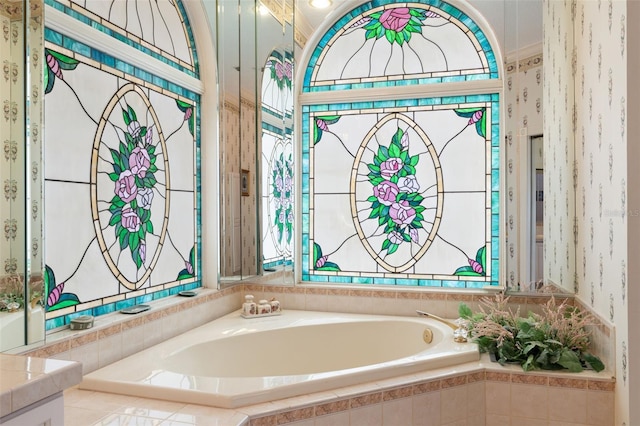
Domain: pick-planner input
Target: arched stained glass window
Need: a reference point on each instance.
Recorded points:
(153, 27)
(397, 44)
(400, 179)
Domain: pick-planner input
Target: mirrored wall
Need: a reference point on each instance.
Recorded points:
(21, 91)
(255, 53)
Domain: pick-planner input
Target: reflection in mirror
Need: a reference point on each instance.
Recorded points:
(277, 163)
(255, 41)
(21, 280)
(523, 112)
(536, 173)
(277, 183)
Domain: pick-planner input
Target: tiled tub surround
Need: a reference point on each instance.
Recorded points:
(27, 382)
(473, 394)
(117, 336)
(234, 362)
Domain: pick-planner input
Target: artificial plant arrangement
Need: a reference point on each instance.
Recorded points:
(557, 339)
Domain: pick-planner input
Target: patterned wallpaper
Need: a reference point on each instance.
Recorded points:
(238, 249)
(523, 118)
(596, 67)
(558, 145)
(601, 146)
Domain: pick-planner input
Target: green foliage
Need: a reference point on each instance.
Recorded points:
(557, 339)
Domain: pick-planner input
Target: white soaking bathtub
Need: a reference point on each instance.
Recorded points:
(234, 361)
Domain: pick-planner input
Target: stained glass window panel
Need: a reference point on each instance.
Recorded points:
(156, 26)
(401, 193)
(121, 194)
(378, 46)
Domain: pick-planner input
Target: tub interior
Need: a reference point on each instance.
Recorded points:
(232, 361)
(305, 349)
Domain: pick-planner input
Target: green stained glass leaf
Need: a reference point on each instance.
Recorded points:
(400, 37)
(329, 266)
(386, 244)
(64, 303)
(116, 218)
(183, 275)
(126, 118)
(123, 238)
(481, 126)
(183, 106)
(49, 80)
(397, 138)
(481, 257)
(383, 153)
(370, 34)
(192, 125)
(65, 62)
(49, 279)
(466, 271)
(375, 180)
(317, 134)
(392, 248)
(466, 112)
(317, 252)
(135, 254)
(394, 151)
(380, 32)
(132, 113)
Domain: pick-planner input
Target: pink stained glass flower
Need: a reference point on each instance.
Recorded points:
(395, 19)
(126, 187)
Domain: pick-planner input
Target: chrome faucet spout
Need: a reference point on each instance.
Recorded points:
(437, 318)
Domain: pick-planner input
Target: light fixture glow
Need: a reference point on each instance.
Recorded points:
(320, 4)
(263, 10)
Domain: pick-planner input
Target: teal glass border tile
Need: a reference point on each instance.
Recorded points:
(61, 40)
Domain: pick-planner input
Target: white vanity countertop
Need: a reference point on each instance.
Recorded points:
(25, 380)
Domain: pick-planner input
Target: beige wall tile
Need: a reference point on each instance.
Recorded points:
(110, 349)
(497, 420)
(600, 408)
(529, 401)
(523, 421)
(498, 398)
(568, 405)
(476, 400)
(397, 412)
(462, 422)
(133, 340)
(370, 415)
(453, 404)
(426, 409)
(341, 418)
(87, 355)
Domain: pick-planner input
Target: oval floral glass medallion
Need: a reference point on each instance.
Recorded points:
(129, 186)
(396, 192)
